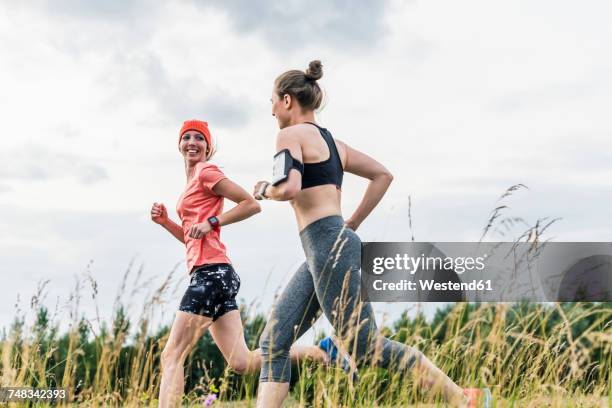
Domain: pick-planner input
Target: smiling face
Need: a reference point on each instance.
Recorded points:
(280, 109)
(193, 146)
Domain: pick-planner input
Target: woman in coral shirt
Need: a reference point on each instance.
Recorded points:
(210, 300)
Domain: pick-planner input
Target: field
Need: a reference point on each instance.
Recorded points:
(528, 354)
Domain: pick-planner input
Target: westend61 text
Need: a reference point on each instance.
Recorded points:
(429, 284)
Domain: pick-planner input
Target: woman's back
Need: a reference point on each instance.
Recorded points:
(321, 165)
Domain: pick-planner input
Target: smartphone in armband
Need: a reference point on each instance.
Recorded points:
(283, 163)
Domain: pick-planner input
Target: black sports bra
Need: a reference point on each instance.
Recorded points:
(329, 171)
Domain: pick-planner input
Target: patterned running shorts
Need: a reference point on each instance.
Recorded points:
(212, 291)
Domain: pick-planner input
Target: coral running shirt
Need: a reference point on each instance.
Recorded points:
(196, 205)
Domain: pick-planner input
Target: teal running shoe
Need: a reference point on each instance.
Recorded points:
(337, 355)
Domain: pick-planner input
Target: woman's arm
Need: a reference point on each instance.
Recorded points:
(362, 165)
(246, 207)
(174, 229)
(286, 139)
(159, 215)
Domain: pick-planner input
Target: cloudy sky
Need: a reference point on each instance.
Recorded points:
(459, 101)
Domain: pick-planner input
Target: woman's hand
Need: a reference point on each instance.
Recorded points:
(259, 190)
(197, 231)
(351, 224)
(159, 214)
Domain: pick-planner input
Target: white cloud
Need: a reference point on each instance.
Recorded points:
(36, 163)
(345, 24)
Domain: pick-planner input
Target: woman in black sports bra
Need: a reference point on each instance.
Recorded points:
(329, 280)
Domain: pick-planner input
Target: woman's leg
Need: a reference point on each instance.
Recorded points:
(228, 334)
(187, 328)
(334, 256)
(293, 313)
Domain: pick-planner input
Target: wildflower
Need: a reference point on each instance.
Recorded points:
(210, 399)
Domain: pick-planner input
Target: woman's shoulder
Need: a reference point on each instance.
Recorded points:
(297, 131)
(204, 168)
(209, 174)
(206, 165)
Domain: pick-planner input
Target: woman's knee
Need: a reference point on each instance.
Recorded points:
(273, 342)
(172, 356)
(239, 365)
(264, 341)
(168, 358)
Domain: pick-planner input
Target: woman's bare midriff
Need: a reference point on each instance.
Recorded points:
(315, 203)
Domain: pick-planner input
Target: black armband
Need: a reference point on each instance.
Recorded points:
(283, 163)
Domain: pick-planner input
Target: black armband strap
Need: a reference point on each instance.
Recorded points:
(283, 163)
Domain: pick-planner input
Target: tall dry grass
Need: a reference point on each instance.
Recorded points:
(528, 354)
(523, 352)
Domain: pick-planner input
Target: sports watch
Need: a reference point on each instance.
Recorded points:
(262, 190)
(214, 222)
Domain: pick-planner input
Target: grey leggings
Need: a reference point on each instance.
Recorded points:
(328, 280)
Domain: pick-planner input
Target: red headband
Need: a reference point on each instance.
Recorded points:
(199, 126)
